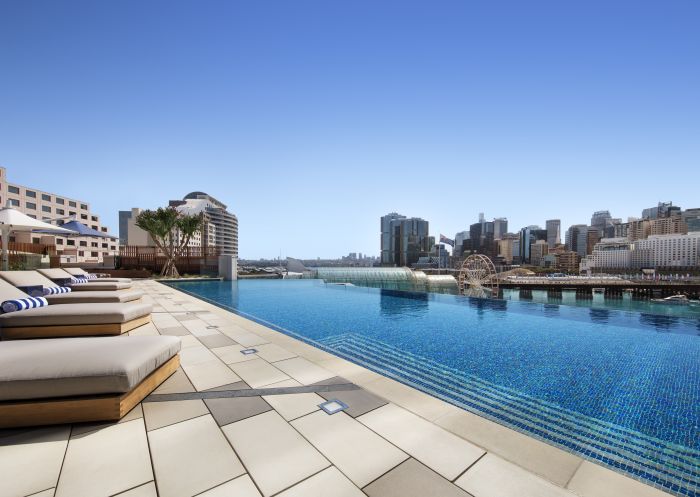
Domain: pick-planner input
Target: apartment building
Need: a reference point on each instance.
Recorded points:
(60, 209)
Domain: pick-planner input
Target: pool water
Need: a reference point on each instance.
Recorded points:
(618, 387)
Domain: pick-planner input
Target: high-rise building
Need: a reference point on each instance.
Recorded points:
(601, 220)
(553, 227)
(404, 240)
(537, 252)
(220, 226)
(500, 227)
(691, 217)
(59, 209)
(460, 238)
(577, 239)
(662, 210)
(528, 236)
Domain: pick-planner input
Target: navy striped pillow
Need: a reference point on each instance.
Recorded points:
(22, 304)
(53, 290)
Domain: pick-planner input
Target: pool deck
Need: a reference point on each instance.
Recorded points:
(271, 440)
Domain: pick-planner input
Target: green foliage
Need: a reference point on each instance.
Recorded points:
(164, 224)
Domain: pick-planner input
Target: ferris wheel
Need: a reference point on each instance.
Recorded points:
(477, 277)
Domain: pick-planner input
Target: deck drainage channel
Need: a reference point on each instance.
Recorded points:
(249, 392)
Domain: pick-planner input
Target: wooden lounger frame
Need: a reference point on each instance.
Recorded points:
(72, 330)
(83, 409)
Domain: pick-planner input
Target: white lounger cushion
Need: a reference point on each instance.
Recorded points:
(71, 314)
(67, 367)
(79, 272)
(62, 274)
(94, 297)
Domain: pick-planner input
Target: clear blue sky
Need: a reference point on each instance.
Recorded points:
(311, 119)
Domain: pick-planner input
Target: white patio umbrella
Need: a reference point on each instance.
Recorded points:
(13, 220)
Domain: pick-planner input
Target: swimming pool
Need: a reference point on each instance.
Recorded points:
(621, 388)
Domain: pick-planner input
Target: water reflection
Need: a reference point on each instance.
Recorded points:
(599, 315)
(394, 303)
(663, 324)
(551, 310)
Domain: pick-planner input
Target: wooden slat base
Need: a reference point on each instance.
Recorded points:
(73, 330)
(83, 409)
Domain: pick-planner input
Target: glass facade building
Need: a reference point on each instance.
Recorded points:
(403, 240)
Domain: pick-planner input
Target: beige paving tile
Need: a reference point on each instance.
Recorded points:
(230, 410)
(258, 373)
(30, 461)
(275, 455)
(147, 490)
(80, 428)
(242, 486)
(492, 476)
(284, 384)
(176, 383)
(440, 450)
(45, 493)
(231, 354)
(349, 370)
(245, 338)
(413, 479)
(145, 330)
(305, 372)
(272, 352)
(407, 397)
(358, 452)
(204, 369)
(106, 461)
(192, 456)
(323, 484)
(592, 480)
(543, 459)
(292, 406)
(160, 414)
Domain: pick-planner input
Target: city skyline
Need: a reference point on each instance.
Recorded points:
(309, 121)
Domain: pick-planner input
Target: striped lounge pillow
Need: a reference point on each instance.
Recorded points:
(53, 290)
(78, 279)
(91, 276)
(22, 304)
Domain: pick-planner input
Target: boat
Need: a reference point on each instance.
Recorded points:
(678, 299)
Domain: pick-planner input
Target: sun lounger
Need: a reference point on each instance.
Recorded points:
(63, 278)
(72, 380)
(26, 280)
(69, 320)
(75, 271)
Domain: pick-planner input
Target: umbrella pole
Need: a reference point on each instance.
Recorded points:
(5, 248)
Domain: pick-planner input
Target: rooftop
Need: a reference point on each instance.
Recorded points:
(242, 417)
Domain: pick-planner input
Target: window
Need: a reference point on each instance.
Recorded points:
(14, 201)
(60, 222)
(46, 197)
(83, 244)
(93, 244)
(94, 254)
(81, 253)
(60, 212)
(113, 247)
(104, 228)
(70, 242)
(30, 194)
(94, 227)
(104, 245)
(36, 240)
(45, 208)
(94, 218)
(72, 204)
(60, 201)
(59, 241)
(83, 206)
(83, 216)
(31, 205)
(13, 189)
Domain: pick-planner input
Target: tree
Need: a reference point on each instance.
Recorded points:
(164, 225)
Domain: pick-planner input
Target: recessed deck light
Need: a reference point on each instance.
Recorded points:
(212, 326)
(248, 351)
(333, 406)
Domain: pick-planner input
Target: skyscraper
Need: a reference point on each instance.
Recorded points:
(500, 227)
(600, 220)
(529, 236)
(403, 240)
(577, 239)
(553, 232)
